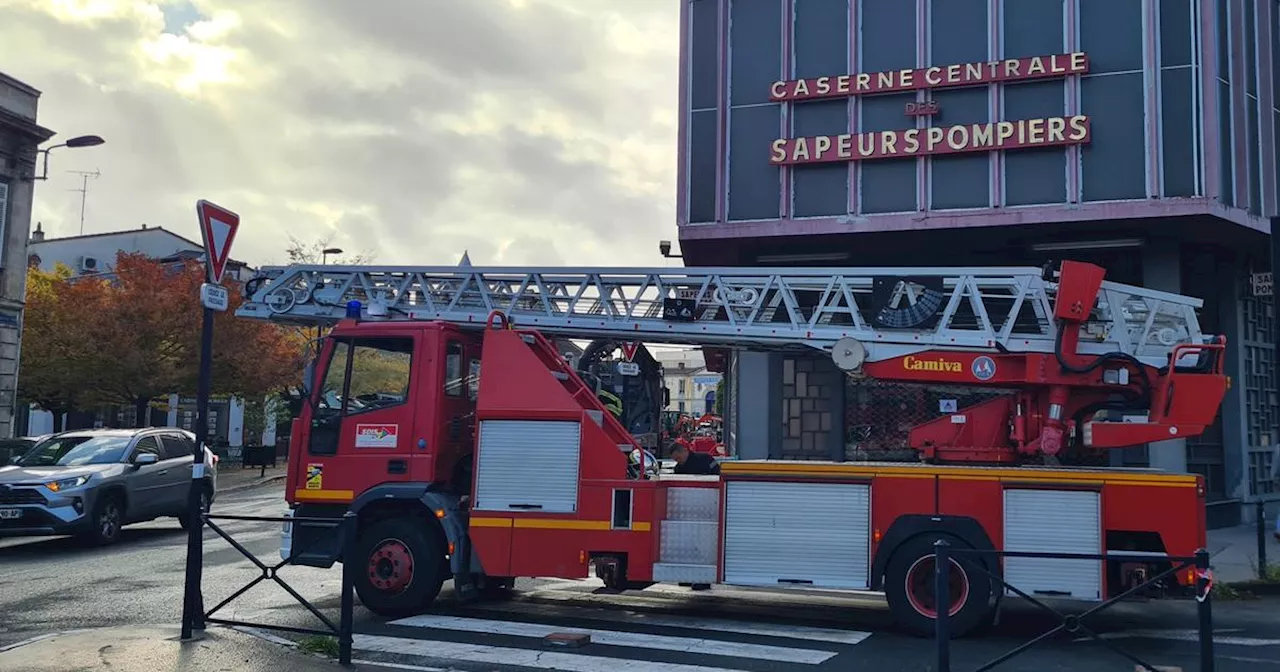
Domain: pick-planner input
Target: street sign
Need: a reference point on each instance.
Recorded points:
(218, 228)
(214, 297)
(1261, 284)
(629, 349)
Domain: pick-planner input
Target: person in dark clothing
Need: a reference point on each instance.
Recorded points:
(694, 464)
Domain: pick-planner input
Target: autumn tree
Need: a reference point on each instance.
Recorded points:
(146, 338)
(60, 346)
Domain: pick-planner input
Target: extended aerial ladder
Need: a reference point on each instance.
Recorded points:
(1093, 363)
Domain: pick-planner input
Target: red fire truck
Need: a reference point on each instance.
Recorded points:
(439, 412)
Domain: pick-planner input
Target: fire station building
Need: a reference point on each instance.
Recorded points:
(1136, 134)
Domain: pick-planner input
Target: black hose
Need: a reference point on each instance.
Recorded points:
(1101, 360)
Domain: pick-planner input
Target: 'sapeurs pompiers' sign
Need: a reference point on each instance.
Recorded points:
(954, 139)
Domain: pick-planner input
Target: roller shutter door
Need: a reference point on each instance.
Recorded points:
(528, 465)
(1053, 521)
(797, 534)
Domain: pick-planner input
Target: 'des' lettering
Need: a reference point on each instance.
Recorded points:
(913, 363)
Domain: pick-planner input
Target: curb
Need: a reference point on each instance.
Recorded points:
(40, 638)
(253, 484)
(1260, 588)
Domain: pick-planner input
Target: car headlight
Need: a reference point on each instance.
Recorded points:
(67, 483)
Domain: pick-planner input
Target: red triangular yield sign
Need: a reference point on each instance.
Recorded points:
(629, 349)
(218, 228)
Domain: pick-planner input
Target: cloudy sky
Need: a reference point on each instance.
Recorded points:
(524, 131)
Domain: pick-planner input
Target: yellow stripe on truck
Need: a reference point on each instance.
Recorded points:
(325, 495)
(556, 524)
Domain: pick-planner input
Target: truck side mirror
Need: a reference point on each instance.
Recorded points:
(666, 396)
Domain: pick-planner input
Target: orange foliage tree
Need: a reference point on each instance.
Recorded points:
(60, 347)
(144, 319)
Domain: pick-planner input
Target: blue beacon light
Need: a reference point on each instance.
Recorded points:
(353, 310)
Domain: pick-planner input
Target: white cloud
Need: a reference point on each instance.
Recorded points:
(530, 131)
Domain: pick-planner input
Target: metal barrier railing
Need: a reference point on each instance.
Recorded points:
(945, 554)
(343, 630)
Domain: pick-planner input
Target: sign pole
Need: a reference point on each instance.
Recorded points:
(218, 227)
(193, 602)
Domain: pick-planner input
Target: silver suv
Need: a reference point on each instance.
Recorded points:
(92, 482)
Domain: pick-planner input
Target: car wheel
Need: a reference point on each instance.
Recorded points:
(108, 518)
(910, 590)
(400, 566)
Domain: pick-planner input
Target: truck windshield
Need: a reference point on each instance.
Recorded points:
(74, 451)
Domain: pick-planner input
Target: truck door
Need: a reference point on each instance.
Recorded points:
(362, 419)
(461, 380)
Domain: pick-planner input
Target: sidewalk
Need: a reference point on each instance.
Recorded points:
(151, 648)
(232, 477)
(1234, 552)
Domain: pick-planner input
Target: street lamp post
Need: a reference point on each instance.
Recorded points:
(324, 260)
(72, 143)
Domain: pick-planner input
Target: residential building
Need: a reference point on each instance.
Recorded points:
(96, 252)
(20, 137)
(691, 386)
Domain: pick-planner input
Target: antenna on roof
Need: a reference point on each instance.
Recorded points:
(84, 190)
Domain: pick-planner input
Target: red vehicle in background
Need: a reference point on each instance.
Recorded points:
(482, 455)
(702, 435)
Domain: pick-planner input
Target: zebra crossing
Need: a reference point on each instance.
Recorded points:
(619, 642)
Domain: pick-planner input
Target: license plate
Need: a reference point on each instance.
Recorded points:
(10, 514)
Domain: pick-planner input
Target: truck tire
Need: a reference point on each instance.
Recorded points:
(909, 588)
(399, 566)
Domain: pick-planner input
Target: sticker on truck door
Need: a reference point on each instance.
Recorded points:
(376, 436)
(315, 476)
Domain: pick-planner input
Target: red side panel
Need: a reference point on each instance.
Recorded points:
(601, 457)
(515, 384)
(894, 496)
(977, 498)
(1175, 512)
(491, 543)
(1078, 285)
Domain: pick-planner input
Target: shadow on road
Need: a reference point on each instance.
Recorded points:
(70, 546)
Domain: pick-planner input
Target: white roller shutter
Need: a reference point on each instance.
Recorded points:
(1053, 521)
(528, 465)
(780, 534)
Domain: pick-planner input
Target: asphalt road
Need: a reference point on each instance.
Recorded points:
(54, 584)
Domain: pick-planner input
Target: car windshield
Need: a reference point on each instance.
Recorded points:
(74, 451)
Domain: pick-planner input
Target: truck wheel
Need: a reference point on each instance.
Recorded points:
(909, 588)
(400, 566)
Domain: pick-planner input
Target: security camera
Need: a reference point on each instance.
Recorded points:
(664, 246)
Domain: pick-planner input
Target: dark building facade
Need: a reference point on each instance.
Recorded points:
(1137, 134)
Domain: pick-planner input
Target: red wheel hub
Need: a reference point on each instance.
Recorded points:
(391, 566)
(921, 587)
